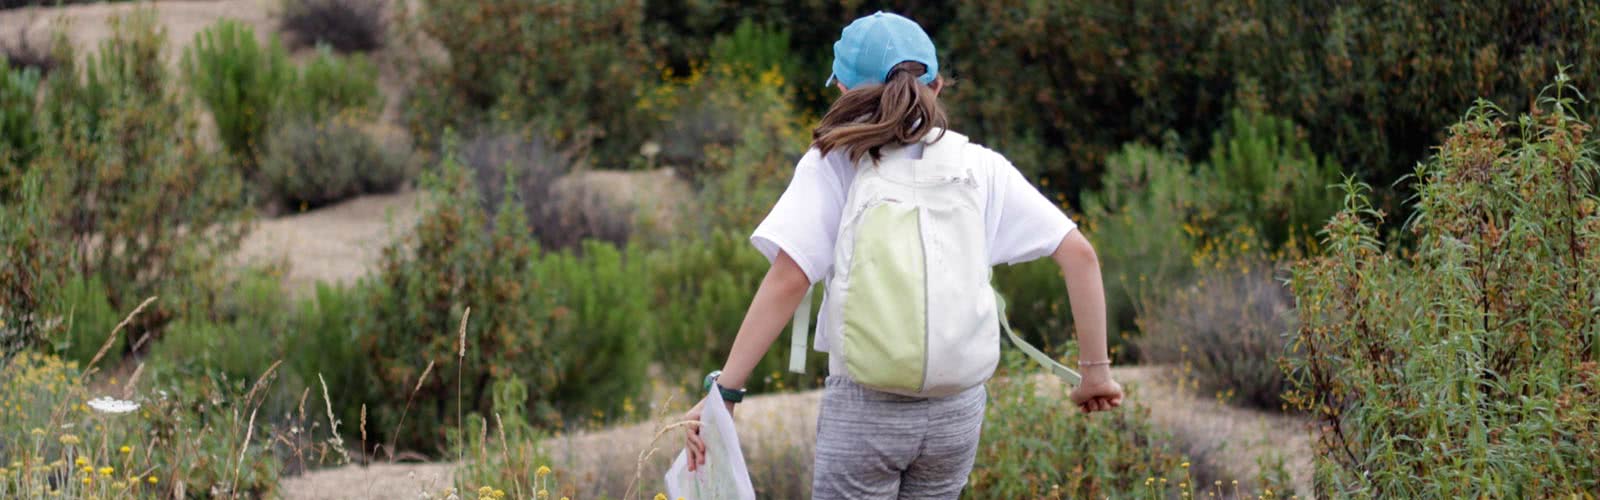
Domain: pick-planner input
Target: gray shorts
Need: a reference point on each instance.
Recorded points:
(876, 445)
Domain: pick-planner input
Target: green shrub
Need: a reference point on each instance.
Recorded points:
(571, 68)
(32, 261)
(1054, 83)
(310, 164)
(240, 81)
(346, 25)
(1226, 327)
(1263, 174)
(1036, 445)
(1467, 366)
(241, 334)
(19, 133)
(141, 206)
(711, 121)
(522, 324)
(323, 340)
(603, 300)
(505, 455)
(330, 84)
(702, 288)
(89, 318)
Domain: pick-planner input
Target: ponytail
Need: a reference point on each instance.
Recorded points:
(865, 119)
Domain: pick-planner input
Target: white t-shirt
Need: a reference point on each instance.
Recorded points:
(1022, 224)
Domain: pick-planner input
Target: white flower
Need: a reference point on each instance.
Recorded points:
(109, 405)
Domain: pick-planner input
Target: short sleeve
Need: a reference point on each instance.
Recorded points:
(805, 221)
(1023, 224)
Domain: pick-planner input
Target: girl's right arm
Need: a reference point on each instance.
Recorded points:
(1081, 269)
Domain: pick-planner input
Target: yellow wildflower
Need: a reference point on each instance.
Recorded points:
(543, 471)
(106, 471)
(126, 449)
(1186, 465)
(543, 494)
(80, 462)
(68, 439)
(88, 480)
(661, 496)
(499, 493)
(37, 431)
(485, 491)
(153, 480)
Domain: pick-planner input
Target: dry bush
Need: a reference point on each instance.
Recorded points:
(558, 219)
(345, 25)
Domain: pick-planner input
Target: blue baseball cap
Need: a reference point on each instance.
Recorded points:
(870, 46)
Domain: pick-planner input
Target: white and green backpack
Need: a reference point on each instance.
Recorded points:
(909, 302)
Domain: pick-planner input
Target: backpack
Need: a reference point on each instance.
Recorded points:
(910, 301)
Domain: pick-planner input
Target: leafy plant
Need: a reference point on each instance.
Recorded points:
(242, 82)
(19, 134)
(311, 164)
(569, 68)
(345, 25)
(1421, 364)
(134, 201)
(329, 85)
(1068, 455)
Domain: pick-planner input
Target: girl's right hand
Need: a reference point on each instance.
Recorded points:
(1097, 392)
(693, 443)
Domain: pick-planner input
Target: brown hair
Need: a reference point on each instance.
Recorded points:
(865, 119)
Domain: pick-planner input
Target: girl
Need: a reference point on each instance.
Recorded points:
(870, 443)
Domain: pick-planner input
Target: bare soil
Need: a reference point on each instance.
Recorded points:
(782, 427)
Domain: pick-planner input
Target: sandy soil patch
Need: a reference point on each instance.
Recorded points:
(336, 244)
(781, 428)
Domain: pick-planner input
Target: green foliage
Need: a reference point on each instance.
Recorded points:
(712, 121)
(310, 164)
(1467, 366)
(1036, 445)
(330, 84)
(89, 318)
(241, 82)
(1374, 81)
(702, 288)
(602, 301)
(571, 68)
(240, 337)
(1155, 212)
(32, 260)
(511, 458)
(1225, 328)
(1263, 175)
(529, 318)
(19, 134)
(323, 345)
(139, 205)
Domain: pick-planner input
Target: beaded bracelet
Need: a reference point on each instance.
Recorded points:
(1085, 364)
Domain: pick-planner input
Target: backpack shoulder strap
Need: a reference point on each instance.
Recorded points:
(1057, 369)
(801, 332)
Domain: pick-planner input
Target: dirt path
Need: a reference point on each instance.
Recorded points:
(603, 462)
(336, 244)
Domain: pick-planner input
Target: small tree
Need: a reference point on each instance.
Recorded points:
(1465, 367)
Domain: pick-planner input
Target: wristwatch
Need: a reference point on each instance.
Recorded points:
(729, 395)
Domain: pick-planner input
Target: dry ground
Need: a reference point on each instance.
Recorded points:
(781, 428)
